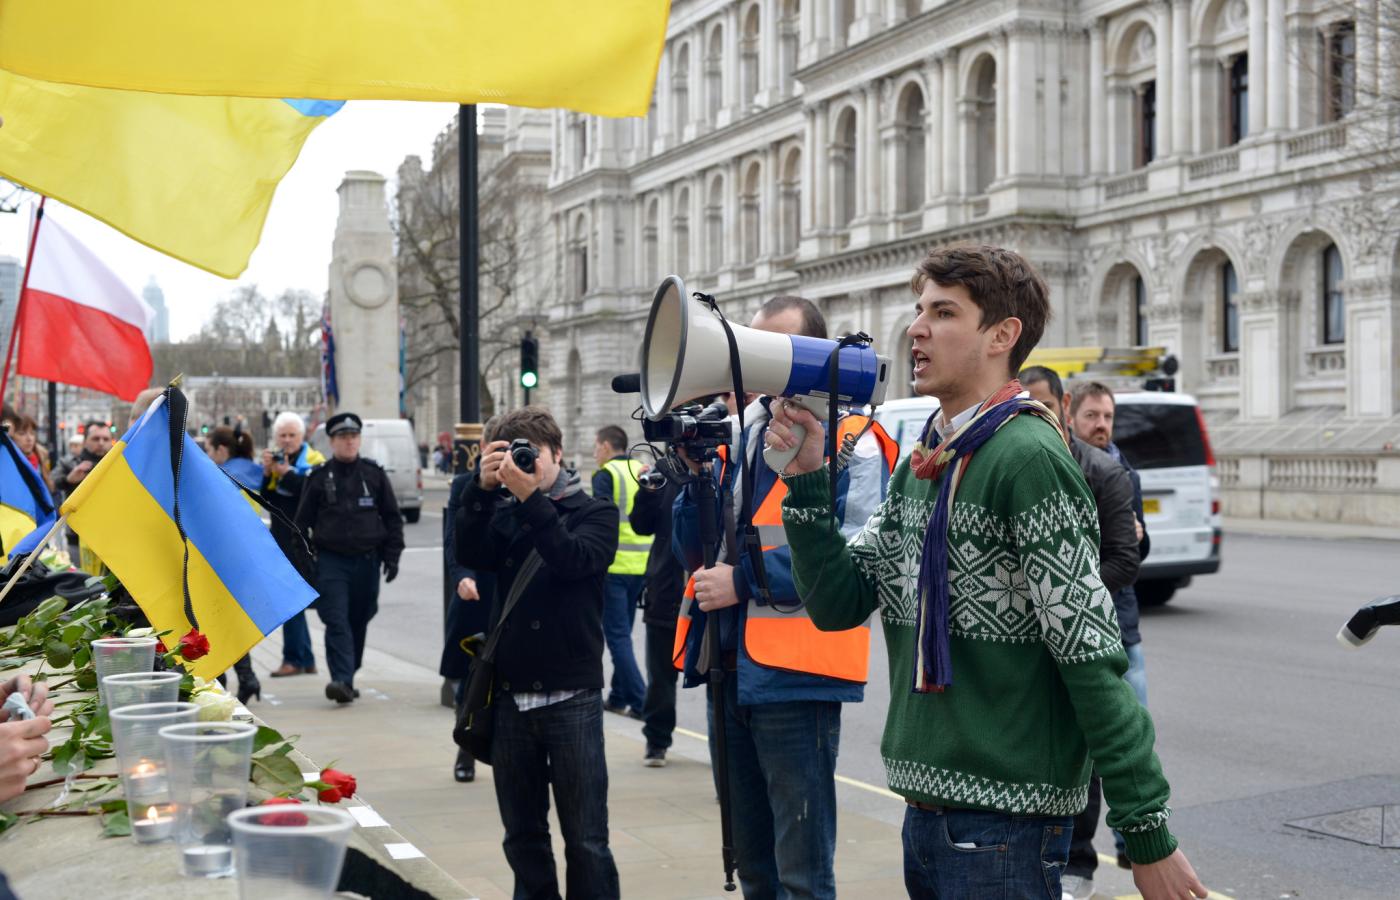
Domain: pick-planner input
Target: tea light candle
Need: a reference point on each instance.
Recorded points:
(145, 779)
(211, 860)
(157, 825)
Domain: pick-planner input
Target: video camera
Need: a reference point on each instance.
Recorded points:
(698, 430)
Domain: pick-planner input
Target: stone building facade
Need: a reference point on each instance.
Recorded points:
(1211, 176)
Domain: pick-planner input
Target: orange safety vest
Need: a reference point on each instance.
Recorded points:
(789, 640)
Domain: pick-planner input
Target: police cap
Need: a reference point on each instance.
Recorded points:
(343, 423)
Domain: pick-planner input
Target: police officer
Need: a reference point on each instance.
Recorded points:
(348, 506)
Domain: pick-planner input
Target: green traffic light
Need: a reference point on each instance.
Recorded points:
(529, 380)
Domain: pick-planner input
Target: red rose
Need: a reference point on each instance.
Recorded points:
(340, 785)
(194, 645)
(160, 648)
(286, 818)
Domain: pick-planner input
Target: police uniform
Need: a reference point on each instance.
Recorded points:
(355, 525)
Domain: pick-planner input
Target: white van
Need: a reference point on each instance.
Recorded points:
(390, 443)
(1164, 437)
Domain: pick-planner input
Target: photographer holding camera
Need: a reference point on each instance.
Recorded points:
(527, 513)
(284, 473)
(783, 699)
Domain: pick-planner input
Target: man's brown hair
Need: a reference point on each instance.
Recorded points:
(1002, 284)
(614, 437)
(813, 322)
(534, 424)
(1082, 392)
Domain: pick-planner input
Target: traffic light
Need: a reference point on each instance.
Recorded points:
(529, 362)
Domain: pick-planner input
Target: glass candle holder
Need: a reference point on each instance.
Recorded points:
(289, 851)
(119, 655)
(141, 761)
(136, 688)
(207, 764)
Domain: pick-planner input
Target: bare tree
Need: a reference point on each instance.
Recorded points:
(1349, 63)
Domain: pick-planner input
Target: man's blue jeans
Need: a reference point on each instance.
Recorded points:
(619, 612)
(296, 643)
(560, 745)
(965, 854)
(782, 789)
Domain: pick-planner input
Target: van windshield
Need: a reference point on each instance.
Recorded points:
(1158, 435)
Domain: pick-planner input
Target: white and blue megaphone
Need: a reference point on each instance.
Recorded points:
(685, 355)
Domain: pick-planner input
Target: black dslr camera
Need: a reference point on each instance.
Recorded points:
(279, 457)
(523, 454)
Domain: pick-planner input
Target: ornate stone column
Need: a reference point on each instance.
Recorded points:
(1098, 104)
(951, 136)
(1266, 370)
(933, 150)
(1003, 94)
(1278, 67)
(1258, 68)
(1181, 78)
(1165, 82)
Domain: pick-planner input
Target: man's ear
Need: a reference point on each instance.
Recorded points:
(1064, 404)
(1005, 334)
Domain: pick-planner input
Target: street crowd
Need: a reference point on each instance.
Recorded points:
(999, 557)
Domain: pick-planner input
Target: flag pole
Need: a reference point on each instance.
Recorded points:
(19, 303)
(33, 555)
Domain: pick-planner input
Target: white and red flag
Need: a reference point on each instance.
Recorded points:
(78, 322)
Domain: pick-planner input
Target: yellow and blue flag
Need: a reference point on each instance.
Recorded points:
(26, 509)
(192, 177)
(240, 584)
(596, 56)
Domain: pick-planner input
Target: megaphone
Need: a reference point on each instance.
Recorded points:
(686, 354)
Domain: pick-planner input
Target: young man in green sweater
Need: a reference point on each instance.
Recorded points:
(1005, 660)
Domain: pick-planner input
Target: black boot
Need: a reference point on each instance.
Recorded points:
(248, 685)
(465, 768)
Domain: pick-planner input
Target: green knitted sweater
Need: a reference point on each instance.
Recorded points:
(1037, 661)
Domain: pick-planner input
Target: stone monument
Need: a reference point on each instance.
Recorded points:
(364, 300)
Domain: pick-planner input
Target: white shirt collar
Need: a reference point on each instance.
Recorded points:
(947, 429)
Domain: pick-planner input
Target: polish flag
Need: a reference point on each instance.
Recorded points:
(78, 322)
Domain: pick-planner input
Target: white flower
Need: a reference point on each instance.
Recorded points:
(215, 705)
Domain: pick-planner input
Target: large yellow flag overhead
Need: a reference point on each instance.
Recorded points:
(596, 56)
(190, 176)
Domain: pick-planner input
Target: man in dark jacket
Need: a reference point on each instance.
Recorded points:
(284, 474)
(1119, 509)
(348, 506)
(549, 660)
(661, 598)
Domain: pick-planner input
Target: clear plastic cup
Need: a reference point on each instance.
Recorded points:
(207, 764)
(135, 688)
(119, 655)
(289, 851)
(141, 762)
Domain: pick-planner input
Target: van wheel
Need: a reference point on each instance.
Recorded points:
(1154, 593)
(411, 515)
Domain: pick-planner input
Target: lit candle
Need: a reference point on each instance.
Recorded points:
(210, 860)
(157, 825)
(145, 780)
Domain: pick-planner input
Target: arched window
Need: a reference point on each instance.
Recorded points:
(1339, 79)
(910, 149)
(1133, 79)
(1334, 315)
(578, 256)
(680, 91)
(681, 233)
(714, 226)
(1229, 309)
(1237, 98)
(789, 36)
(748, 59)
(651, 262)
(750, 214)
(843, 167)
(983, 152)
(791, 202)
(714, 74)
(1139, 311)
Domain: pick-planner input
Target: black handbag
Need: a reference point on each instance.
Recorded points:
(476, 718)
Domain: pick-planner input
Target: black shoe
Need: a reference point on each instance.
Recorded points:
(248, 689)
(465, 769)
(340, 692)
(655, 758)
(356, 692)
(1123, 861)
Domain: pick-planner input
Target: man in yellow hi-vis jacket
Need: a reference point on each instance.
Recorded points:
(616, 479)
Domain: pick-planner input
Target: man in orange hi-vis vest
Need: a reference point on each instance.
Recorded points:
(787, 679)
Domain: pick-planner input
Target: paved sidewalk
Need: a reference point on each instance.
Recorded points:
(664, 822)
(1332, 531)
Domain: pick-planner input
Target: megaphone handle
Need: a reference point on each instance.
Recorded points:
(778, 460)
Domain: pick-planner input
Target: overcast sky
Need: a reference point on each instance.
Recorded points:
(295, 251)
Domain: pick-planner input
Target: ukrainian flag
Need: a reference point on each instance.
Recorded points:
(241, 586)
(597, 56)
(192, 177)
(26, 509)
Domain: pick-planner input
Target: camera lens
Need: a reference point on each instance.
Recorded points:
(523, 455)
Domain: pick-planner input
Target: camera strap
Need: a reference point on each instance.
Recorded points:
(751, 544)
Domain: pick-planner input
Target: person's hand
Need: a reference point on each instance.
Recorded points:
(1137, 526)
(811, 454)
(267, 462)
(391, 571)
(690, 463)
(714, 587)
(21, 746)
(79, 471)
(491, 462)
(36, 695)
(519, 482)
(1168, 879)
(466, 589)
